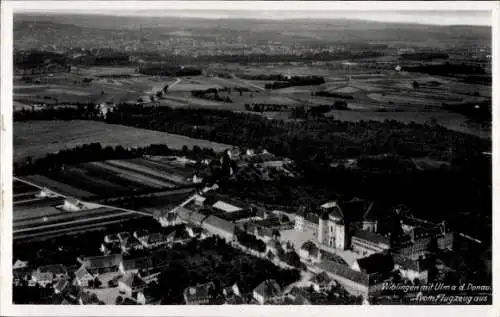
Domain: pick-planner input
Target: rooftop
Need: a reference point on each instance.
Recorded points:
(268, 288)
(371, 237)
(219, 223)
(376, 263)
(104, 261)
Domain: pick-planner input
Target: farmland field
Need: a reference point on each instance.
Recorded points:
(59, 135)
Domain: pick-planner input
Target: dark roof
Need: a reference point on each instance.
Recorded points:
(133, 281)
(344, 271)
(371, 237)
(376, 263)
(311, 217)
(354, 210)
(268, 288)
(52, 268)
(336, 212)
(104, 261)
(157, 237)
(190, 216)
(81, 272)
(153, 260)
(202, 291)
(214, 221)
(407, 263)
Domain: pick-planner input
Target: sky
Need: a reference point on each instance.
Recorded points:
(422, 13)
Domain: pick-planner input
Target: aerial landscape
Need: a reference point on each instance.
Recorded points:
(182, 160)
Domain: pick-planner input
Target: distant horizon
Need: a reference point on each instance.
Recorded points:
(436, 18)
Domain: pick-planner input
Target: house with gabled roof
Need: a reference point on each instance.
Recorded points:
(19, 265)
(147, 266)
(267, 291)
(48, 274)
(83, 276)
(73, 204)
(131, 284)
(61, 285)
(101, 264)
(321, 282)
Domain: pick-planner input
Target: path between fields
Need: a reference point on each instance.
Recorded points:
(249, 83)
(159, 86)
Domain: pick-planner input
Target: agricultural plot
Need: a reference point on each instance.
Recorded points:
(155, 172)
(59, 135)
(59, 187)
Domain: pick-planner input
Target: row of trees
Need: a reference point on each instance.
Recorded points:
(168, 70)
(263, 107)
(210, 94)
(250, 241)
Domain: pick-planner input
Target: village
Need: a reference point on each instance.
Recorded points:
(338, 248)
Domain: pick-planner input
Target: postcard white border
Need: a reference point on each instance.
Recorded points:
(6, 307)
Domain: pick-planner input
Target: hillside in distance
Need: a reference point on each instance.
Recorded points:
(54, 27)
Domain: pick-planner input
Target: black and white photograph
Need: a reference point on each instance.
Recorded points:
(249, 153)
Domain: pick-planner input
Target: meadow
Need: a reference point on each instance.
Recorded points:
(38, 138)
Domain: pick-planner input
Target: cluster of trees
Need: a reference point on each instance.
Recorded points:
(211, 94)
(315, 112)
(250, 241)
(96, 152)
(39, 60)
(296, 81)
(278, 58)
(83, 111)
(325, 139)
(423, 56)
(213, 260)
(168, 70)
(447, 69)
(274, 77)
(333, 95)
(263, 107)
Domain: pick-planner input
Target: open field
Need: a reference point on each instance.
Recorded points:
(59, 135)
(370, 89)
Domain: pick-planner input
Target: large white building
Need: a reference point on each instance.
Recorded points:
(337, 223)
